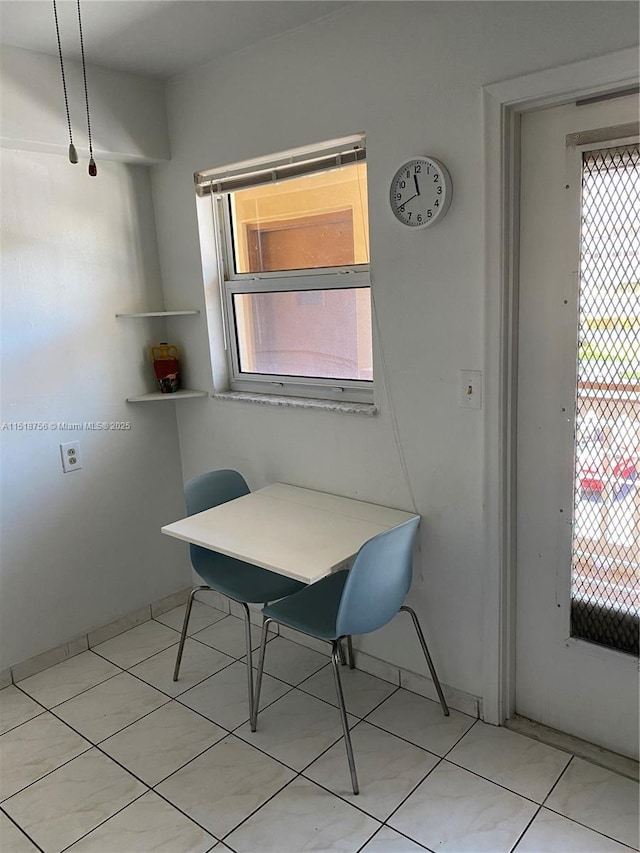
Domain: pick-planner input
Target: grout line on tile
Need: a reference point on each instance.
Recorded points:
(125, 669)
(399, 806)
(49, 772)
(585, 826)
(75, 841)
(8, 817)
(384, 826)
(525, 830)
(554, 786)
(275, 794)
(185, 814)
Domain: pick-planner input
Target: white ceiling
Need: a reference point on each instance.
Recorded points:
(157, 38)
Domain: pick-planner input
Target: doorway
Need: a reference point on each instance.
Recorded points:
(578, 422)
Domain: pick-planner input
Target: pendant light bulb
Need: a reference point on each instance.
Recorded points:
(73, 154)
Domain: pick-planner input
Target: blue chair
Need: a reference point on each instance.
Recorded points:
(239, 581)
(353, 602)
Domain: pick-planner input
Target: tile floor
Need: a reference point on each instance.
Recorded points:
(105, 753)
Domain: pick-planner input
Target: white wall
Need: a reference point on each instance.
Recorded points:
(409, 75)
(128, 118)
(80, 549)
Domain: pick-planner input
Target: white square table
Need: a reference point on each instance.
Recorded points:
(299, 533)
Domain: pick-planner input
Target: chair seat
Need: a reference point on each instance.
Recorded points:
(242, 581)
(314, 610)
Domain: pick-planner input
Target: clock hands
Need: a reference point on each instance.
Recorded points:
(416, 193)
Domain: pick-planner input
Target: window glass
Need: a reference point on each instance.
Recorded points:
(309, 222)
(310, 333)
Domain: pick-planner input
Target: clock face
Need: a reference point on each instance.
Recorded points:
(420, 192)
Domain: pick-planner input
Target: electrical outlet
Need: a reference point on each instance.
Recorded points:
(470, 389)
(70, 454)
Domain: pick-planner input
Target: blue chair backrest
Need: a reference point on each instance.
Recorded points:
(212, 489)
(206, 491)
(378, 581)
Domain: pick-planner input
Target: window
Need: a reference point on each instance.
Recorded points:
(293, 239)
(606, 548)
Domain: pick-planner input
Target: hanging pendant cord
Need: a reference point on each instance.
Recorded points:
(73, 157)
(93, 169)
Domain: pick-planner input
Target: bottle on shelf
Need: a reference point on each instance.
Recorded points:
(166, 366)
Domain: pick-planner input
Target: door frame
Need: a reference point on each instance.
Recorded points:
(502, 105)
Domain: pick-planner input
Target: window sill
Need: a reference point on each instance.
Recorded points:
(367, 409)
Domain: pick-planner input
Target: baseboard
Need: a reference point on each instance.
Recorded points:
(457, 699)
(77, 645)
(569, 743)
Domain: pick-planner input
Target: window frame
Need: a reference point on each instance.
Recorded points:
(321, 278)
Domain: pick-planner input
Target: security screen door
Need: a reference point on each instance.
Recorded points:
(578, 416)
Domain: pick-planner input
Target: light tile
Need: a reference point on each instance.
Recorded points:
(63, 806)
(201, 616)
(35, 748)
(453, 810)
(222, 787)
(550, 832)
(421, 721)
(65, 680)
(362, 692)
(292, 662)
(599, 799)
(110, 706)
(224, 697)
(518, 763)
(161, 742)
(138, 643)
(387, 840)
(148, 825)
(296, 729)
(304, 817)
(16, 708)
(228, 636)
(198, 662)
(388, 769)
(12, 839)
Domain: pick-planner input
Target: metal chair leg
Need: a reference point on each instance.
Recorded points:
(185, 625)
(247, 633)
(343, 660)
(432, 670)
(343, 716)
(352, 663)
(263, 649)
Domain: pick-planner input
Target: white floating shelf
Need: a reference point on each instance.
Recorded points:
(160, 313)
(158, 395)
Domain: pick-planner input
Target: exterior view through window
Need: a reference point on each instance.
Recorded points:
(295, 252)
(606, 546)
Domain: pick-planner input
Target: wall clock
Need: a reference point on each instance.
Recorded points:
(420, 192)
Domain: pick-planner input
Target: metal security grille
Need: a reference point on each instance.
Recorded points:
(606, 549)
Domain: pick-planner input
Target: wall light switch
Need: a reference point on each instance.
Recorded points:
(470, 389)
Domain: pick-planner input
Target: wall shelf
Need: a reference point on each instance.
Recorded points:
(182, 394)
(142, 314)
